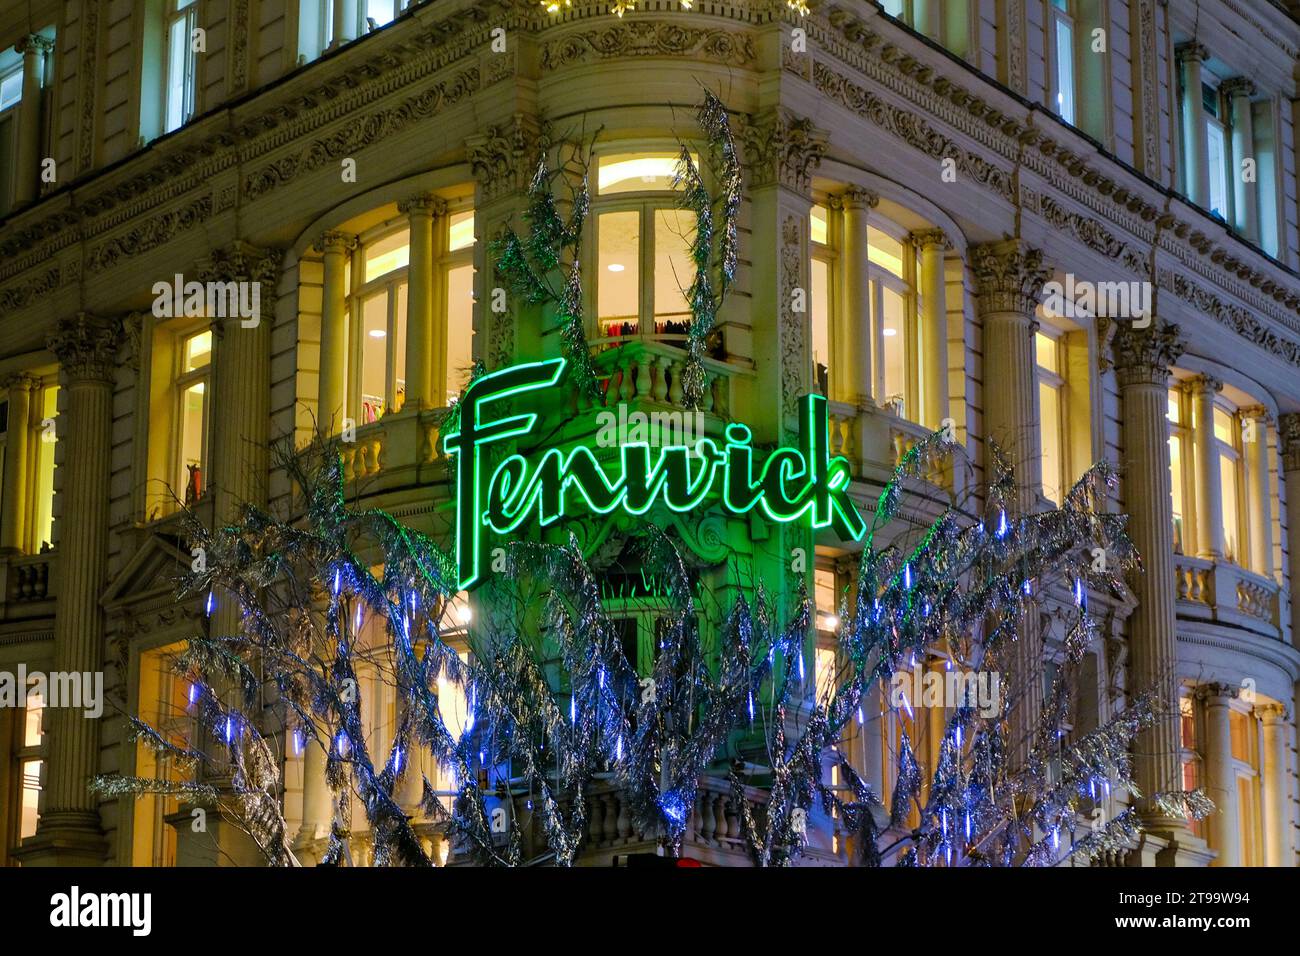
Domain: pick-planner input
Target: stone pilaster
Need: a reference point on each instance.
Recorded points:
(1288, 433)
(1009, 278)
(335, 247)
(1145, 62)
(13, 505)
(69, 831)
(1223, 825)
(1143, 358)
(426, 335)
(1209, 511)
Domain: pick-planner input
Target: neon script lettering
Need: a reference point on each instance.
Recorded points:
(792, 484)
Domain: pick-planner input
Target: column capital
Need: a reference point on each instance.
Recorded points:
(34, 43)
(20, 381)
(86, 346)
(855, 197)
(1272, 713)
(1009, 276)
(1258, 413)
(505, 157)
(1216, 692)
(1192, 50)
(924, 238)
(241, 262)
(1145, 355)
(1238, 86)
(1200, 384)
(1288, 430)
(335, 241)
(782, 148)
(423, 202)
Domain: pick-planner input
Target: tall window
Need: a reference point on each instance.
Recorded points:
(163, 696)
(182, 63)
(1244, 729)
(458, 277)
(1179, 463)
(1217, 158)
(894, 304)
(643, 263)
(1189, 752)
(11, 94)
(1052, 410)
(315, 28)
(42, 504)
(820, 294)
(1063, 34)
(192, 393)
(1226, 444)
(378, 309)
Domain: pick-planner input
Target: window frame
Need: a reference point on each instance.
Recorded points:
(879, 278)
(1240, 554)
(828, 253)
(182, 381)
(176, 13)
(361, 289)
(1058, 16)
(1058, 382)
(448, 262)
(1183, 431)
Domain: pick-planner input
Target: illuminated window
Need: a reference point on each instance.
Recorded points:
(1244, 732)
(1052, 411)
(820, 294)
(1225, 437)
(182, 62)
(1062, 32)
(643, 262)
(1179, 477)
(458, 275)
(378, 309)
(163, 702)
(192, 389)
(895, 302)
(1190, 755)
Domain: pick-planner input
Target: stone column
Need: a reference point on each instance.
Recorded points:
(1288, 434)
(1222, 825)
(1259, 506)
(1194, 139)
(1239, 90)
(934, 327)
(426, 347)
(1209, 510)
(27, 161)
(1276, 779)
(13, 517)
(928, 18)
(854, 355)
(345, 23)
(335, 247)
(69, 831)
(317, 800)
(1142, 361)
(1009, 277)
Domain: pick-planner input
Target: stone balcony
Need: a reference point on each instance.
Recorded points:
(1223, 593)
(28, 585)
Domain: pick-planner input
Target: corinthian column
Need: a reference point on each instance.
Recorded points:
(854, 354)
(27, 162)
(330, 412)
(1195, 137)
(1239, 90)
(69, 830)
(426, 338)
(1223, 824)
(1288, 433)
(1209, 514)
(934, 328)
(13, 506)
(1259, 499)
(1277, 783)
(1009, 277)
(1142, 361)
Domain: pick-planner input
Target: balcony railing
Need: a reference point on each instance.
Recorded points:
(28, 583)
(650, 370)
(1225, 593)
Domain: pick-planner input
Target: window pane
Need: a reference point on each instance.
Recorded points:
(381, 11)
(1223, 426)
(178, 54)
(1231, 522)
(386, 254)
(32, 720)
(44, 530)
(821, 319)
(1045, 348)
(374, 355)
(820, 225)
(1065, 69)
(674, 270)
(1176, 487)
(461, 230)
(11, 89)
(31, 784)
(399, 346)
(190, 476)
(885, 251)
(1175, 408)
(1218, 169)
(1242, 726)
(618, 272)
(460, 329)
(895, 377)
(1049, 400)
(825, 664)
(198, 351)
(636, 172)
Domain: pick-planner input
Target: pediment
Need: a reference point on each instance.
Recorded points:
(151, 572)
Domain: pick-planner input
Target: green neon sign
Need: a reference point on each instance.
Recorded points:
(799, 483)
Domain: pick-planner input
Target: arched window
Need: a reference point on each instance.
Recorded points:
(642, 262)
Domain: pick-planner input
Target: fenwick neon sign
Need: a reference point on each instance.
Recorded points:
(793, 483)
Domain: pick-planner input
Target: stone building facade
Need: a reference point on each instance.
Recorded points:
(1070, 226)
